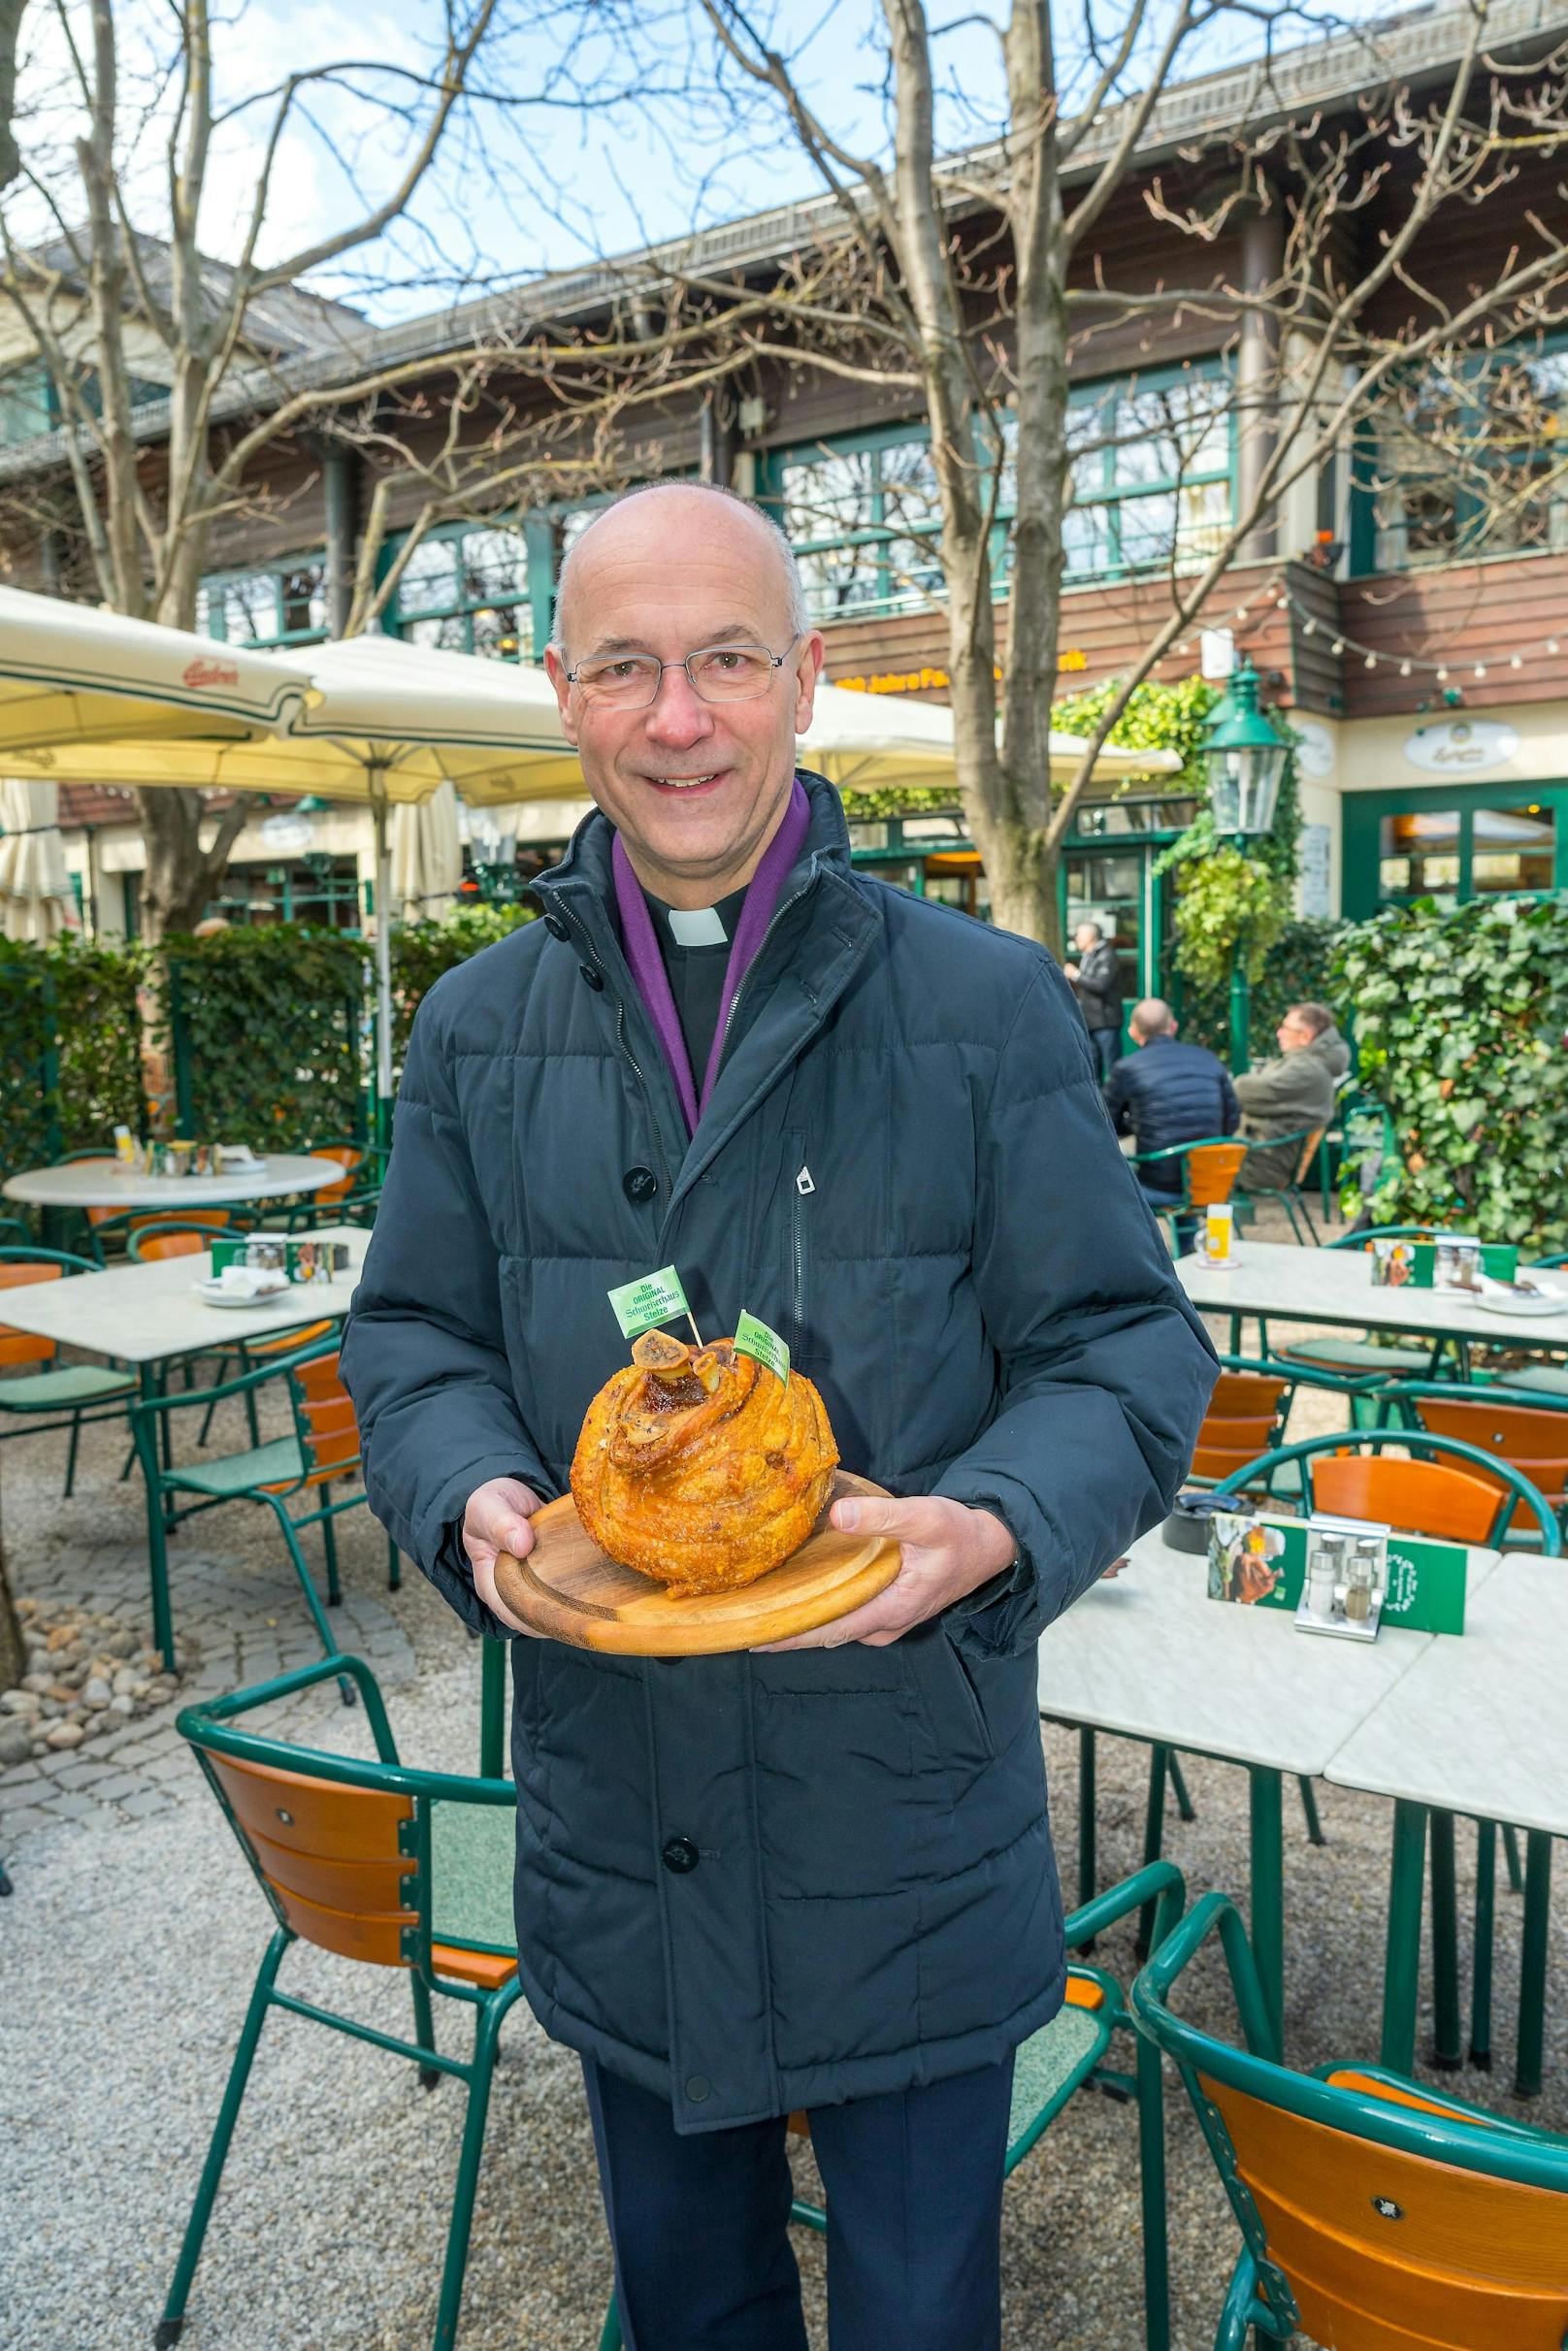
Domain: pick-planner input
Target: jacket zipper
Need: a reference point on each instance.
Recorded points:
(570, 920)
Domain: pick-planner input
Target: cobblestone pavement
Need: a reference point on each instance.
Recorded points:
(128, 1949)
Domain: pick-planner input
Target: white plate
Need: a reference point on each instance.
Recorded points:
(1545, 1302)
(215, 1295)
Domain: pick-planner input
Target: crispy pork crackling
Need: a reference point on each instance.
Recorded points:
(700, 1468)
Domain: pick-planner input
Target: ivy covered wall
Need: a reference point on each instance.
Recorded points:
(1461, 1018)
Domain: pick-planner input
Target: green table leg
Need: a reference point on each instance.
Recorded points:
(491, 1708)
(1445, 1947)
(1265, 1794)
(146, 1449)
(1401, 1966)
(1481, 1973)
(1088, 1797)
(1154, 1833)
(1533, 1961)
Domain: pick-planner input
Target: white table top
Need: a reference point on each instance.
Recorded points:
(1152, 1655)
(105, 1184)
(143, 1314)
(1477, 1726)
(1335, 1286)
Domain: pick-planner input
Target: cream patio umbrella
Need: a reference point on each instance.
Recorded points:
(861, 741)
(35, 886)
(427, 855)
(387, 723)
(71, 674)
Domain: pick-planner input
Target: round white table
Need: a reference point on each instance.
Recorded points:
(105, 1184)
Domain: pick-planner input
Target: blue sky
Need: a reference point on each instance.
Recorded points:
(607, 125)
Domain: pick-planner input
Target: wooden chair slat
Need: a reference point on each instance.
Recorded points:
(333, 1822)
(19, 1347)
(371, 1887)
(377, 1940)
(1533, 1441)
(1210, 1171)
(1471, 2264)
(1245, 1395)
(1421, 1497)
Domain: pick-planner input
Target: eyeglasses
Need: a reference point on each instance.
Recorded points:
(715, 673)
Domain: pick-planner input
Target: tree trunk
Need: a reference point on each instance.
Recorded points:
(10, 33)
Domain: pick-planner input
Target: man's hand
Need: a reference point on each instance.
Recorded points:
(949, 1551)
(496, 1519)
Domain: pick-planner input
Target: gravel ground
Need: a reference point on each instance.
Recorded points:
(128, 1949)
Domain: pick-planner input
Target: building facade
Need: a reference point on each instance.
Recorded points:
(1403, 608)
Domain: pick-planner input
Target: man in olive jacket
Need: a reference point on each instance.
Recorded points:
(818, 1875)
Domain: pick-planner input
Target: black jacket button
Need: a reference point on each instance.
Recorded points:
(639, 1184)
(555, 927)
(697, 2087)
(595, 979)
(681, 1855)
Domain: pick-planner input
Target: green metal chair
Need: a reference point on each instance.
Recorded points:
(381, 1863)
(1371, 2213)
(83, 1394)
(1207, 1170)
(322, 1447)
(1067, 2055)
(1291, 1196)
(1431, 1493)
(124, 1226)
(353, 1201)
(1457, 1509)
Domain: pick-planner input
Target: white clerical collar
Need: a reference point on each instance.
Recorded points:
(697, 927)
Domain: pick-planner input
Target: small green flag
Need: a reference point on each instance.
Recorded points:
(658, 1298)
(754, 1338)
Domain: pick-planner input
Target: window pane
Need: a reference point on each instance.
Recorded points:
(304, 599)
(494, 565)
(503, 632)
(825, 497)
(838, 578)
(914, 571)
(909, 493)
(447, 635)
(250, 608)
(431, 578)
(1513, 849)
(1418, 854)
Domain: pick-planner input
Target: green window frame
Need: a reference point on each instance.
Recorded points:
(269, 605)
(483, 586)
(1160, 442)
(865, 532)
(30, 401)
(1434, 486)
(1365, 890)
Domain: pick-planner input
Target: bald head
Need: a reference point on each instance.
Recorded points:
(665, 518)
(1153, 1018)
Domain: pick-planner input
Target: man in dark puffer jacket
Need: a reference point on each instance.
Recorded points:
(1169, 1092)
(816, 1875)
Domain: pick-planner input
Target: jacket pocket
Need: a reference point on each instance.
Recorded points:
(801, 1192)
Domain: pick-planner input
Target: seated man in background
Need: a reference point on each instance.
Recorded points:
(1292, 1095)
(1167, 1092)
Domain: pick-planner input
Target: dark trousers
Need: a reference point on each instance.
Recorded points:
(1186, 1226)
(1107, 1044)
(699, 2225)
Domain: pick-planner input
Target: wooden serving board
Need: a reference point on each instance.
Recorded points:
(568, 1588)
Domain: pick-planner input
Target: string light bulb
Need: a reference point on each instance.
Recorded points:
(1338, 645)
(1404, 669)
(1371, 662)
(1481, 668)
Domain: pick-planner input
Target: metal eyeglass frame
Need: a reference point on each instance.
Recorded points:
(775, 660)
